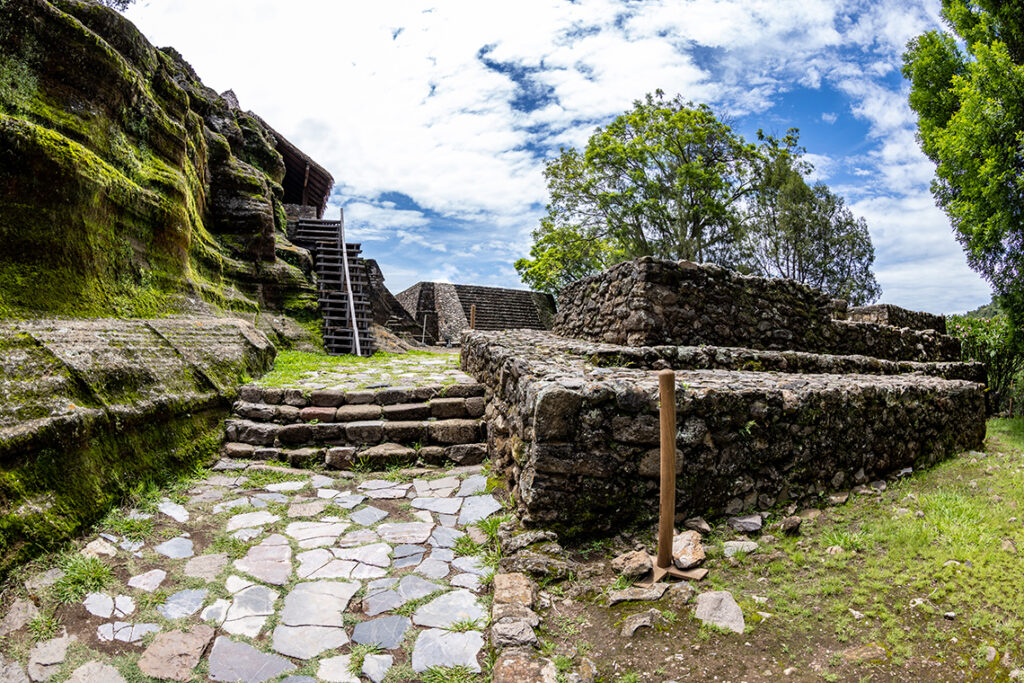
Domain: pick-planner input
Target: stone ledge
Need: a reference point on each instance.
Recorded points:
(576, 440)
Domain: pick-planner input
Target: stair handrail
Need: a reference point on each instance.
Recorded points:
(348, 282)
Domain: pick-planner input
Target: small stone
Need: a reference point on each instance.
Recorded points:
(235, 661)
(720, 609)
(336, 670)
(433, 569)
(512, 633)
(173, 510)
(632, 564)
(42, 581)
(516, 588)
(472, 485)
(698, 524)
(732, 548)
(99, 548)
(834, 550)
(838, 498)
(949, 616)
(469, 581)
(444, 537)
(182, 604)
(680, 594)
(176, 548)
(687, 550)
(149, 581)
(307, 509)
(477, 535)
(476, 508)
(471, 564)
(21, 612)
(206, 567)
(387, 632)
(95, 672)
(635, 621)
(99, 605)
(636, 593)
(375, 667)
(878, 485)
(447, 609)
(746, 524)
(45, 658)
(368, 516)
(865, 653)
(791, 525)
(175, 654)
(438, 647)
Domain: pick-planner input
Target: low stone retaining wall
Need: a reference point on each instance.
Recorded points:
(578, 442)
(894, 316)
(90, 408)
(650, 301)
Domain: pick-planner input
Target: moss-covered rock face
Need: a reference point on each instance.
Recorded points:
(127, 187)
(90, 409)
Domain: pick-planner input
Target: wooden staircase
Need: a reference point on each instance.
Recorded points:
(323, 240)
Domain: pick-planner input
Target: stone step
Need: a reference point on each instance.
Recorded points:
(372, 458)
(447, 432)
(333, 398)
(439, 408)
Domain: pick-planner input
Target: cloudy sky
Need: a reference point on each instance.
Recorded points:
(436, 118)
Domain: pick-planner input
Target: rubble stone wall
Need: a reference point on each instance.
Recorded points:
(894, 316)
(650, 302)
(578, 441)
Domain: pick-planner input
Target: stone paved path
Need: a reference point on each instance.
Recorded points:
(409, 370)
(288, 576)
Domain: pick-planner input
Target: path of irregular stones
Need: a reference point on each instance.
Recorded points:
(441, 367)
(326, 567)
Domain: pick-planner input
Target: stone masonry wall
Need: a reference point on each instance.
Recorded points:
(894, 316)
(651, 301)
(579, 442)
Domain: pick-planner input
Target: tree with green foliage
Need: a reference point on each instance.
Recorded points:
(969, 98)
(990, 341)
(119, 5)
(806, 233)
(663, 179)
(669, 179)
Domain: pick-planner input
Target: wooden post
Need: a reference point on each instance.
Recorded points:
(472, 317)
(662, 562)
(666, 521)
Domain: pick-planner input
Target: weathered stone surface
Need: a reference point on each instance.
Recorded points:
(45, 658)
(438, 647)
(633, 564)
(452, 607)
(20, 613)
(720, 609)
(386, 632)
(182, 604)
(467, 454)
(512, 633)
(458, 431)
(206, 567)
(149, 581)
(476, 508)
(637, 593)
(731, 548)
(269, 561)
(635, 621)
(687, 550)
(174, 655)
(336, 670)
(306, 642)
(515, 589)
(518, 666)
(405, 532)
(747, 524)
(240, 662)
(317, 603)
(368, 516)
(96, 672)
(375, 667)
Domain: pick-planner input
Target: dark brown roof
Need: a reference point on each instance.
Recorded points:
(305, 181)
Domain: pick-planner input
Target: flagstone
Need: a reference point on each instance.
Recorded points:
(182, 604)
(444, 537)
(407, 532)
(440, 648)
(358, 537)
(472, 485)
(447, 609)
(269, 561)
(433, 569)
(173, 510)
(176, 548)
(387, 632)
(368, 515)
(251, 519)
(446, 506)
(307, 509)
(377, 554)
(149, 581)
(287, 486)
(306, 642)
(206, 566)
(317, 603)
(478, 507)
(315, 534)
(235, 661)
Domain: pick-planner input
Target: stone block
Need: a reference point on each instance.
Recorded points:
(273, 395)
(407, 411)
(340, 457)
(304, 457)
(387, 397)
(259, 412)
(330, 433)
(266, 453)
(360, 397)
(330, 398)
(476, 406)
(365, 432)
(238, 450)
(467, 454)
(443, 408)
(294, 397)
(405, 432)
(250, 394)
(432, 455)
(286, 414)
(467, 390)
(515, 588)
(256, 433)
(454, 431)
(318, 413)
(386, 454)
(357, 412)
(295, 434)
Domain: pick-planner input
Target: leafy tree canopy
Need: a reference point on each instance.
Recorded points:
(669, 179)
(969, 98)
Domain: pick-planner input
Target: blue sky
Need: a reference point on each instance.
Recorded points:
(436, 119)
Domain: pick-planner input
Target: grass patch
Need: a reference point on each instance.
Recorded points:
(259, 478)
(292, 366)
(410, 607)
(453, 674)
(358, 654)
(81, 575)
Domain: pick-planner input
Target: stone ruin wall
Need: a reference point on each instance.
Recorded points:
(894, 316)
(574, 422)
(653, 301)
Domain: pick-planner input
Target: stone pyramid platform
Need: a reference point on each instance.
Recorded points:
(779, 396)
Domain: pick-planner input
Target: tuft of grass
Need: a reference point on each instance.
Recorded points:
(446, 674)
(81, 575)
(465, 546)
(410, 607)
(44, 626)
(465, 625)
(225, 543)
(258, 478)
(118, 522)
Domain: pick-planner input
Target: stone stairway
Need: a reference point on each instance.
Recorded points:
(359, 429)
(500, 309)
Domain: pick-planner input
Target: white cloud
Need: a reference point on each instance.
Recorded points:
(394, 98)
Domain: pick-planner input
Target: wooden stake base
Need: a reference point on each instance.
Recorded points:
(661, 573)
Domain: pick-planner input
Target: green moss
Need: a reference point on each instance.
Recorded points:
(48, 499)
